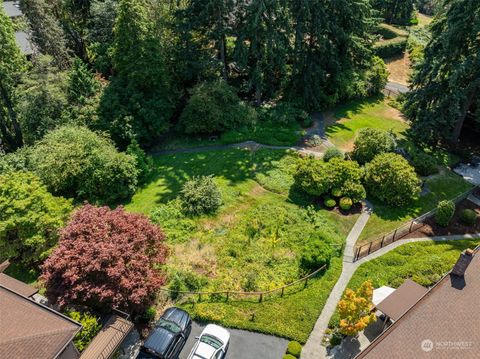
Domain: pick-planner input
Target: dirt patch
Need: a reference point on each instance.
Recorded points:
(399, 69)
(431, 228)
(392, 113)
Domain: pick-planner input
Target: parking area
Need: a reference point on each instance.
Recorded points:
(243, 345)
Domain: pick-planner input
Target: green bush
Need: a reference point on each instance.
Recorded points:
(329, 202)
(288, 356)
(354, 190)
(332, 152)
(144, 163)
(149, 314)
(336, 339)
(468, 217)
(285, 113)
(90, 328)
(371, 142)
(336, 192)
(294, 348)
(391, 179)
(445, 211)
(200, 195)
(389, 48)
(424, 164)
(346, 203)
(315, 254)
(76, 162)
(215, 107)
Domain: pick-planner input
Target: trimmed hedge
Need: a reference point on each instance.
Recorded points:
(346, 203)
(391, 47)
(445, 211)
(329, 202)
(294, 348)
(468, 217)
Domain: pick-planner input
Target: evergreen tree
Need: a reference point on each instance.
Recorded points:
(395, 11)
(138, 103)
(12, 65)
(262, 45)
(47, 33)
(446, 84)
(82, 83)
(332, 50)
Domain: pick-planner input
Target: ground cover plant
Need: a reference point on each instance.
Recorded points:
(349, 118)
(385, 218)
(422, 262)
(255, 240)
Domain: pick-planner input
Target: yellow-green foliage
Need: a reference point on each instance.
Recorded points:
(90, 328)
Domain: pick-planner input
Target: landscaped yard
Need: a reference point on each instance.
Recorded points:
(348, 119)
(423, 262)
(253, 243)
(446, 185)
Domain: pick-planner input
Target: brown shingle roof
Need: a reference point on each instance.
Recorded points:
(447, 317)
(108, 339)
(31, 330)
(404, 297)
(17, 286)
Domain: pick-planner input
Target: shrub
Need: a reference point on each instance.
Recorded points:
(288, 356)
(346, 203)
(329, 202)
(371, 142)
(391, 179)
(315, 254)
(143, 162)
(354, 190)
(445, 211)
(336, 339)
(200, 195)
(332, 152)
(76, 162)
(424, 164)
(389, 48)
(90, 328)
(106, 258)
(310, 176)
(294, 348)
(376, 76)
(336, 192)
(149, 314)
(314, 141)
(30, 218)
(468, 217)
(215, 107)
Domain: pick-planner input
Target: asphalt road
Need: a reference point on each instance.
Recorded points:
(243, 344)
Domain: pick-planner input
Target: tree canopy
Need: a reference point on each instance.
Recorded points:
(446, 84)
(106, 259)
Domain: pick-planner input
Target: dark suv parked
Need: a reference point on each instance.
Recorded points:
(168, 337)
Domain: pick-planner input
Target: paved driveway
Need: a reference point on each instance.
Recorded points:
(243, 344)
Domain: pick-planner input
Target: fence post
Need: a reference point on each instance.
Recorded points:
(306, 282)
(261, 297)
(411, 225)
(383, 239)
(283, 289)
(394, 234)
(227, 296)
(370, 247)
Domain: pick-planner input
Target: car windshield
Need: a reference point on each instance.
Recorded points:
(143, 354)
(170, 326)
(211, 340)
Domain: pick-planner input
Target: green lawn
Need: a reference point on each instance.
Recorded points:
(253, 243)
(384, 219)
(350, 118)
(422, 262)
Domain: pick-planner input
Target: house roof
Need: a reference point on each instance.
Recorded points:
(17, 286)
(402, 299)
(23, 42)
(444, 323)
(12, 9)
(108, 339)
(32, 330)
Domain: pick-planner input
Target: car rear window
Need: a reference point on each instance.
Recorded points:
(211, 340)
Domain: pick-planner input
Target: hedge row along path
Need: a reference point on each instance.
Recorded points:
(314, 349)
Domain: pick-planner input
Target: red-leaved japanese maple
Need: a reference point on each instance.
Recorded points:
(106, 259)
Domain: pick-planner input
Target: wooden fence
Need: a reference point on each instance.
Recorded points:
(229, 295)
(407, 228)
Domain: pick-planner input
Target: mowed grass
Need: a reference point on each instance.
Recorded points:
(253, 243)
(446, 185)
(348, 119)
(423, 262)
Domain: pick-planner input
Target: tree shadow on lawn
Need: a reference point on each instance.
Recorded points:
(355, 107)
(234, 165)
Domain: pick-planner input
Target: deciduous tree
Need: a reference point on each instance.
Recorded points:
(106, 259)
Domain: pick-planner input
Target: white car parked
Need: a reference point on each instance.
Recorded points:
(211, 344)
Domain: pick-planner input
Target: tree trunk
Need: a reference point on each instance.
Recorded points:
(461, 120)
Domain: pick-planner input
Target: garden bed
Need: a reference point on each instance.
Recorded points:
(432, 229)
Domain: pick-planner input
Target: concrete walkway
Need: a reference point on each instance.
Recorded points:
(314, 349)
